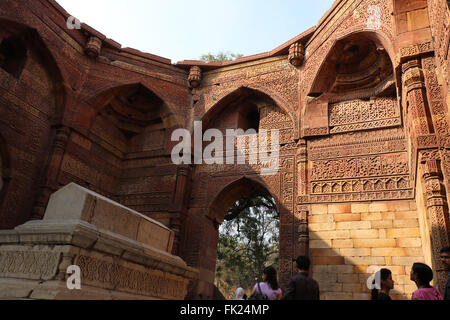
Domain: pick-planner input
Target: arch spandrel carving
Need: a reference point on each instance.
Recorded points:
(230, 96)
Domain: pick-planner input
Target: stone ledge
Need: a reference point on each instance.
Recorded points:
(57, 290)
(83, 228)
(84, 235)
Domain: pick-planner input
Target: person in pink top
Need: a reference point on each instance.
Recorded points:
(270, 286)
(422, 275)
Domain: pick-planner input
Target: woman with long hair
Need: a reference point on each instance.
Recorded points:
(269, 287)
(386, 285)
(422, 275)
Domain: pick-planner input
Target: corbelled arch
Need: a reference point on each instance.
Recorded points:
(377, 37)
(32, 40)
(238, 189)
(235, 94)
(357, 65)
(103, 96)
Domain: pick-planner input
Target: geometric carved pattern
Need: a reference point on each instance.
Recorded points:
(120, 277)
(362, 196)
(29, 264)
(359, 167)
(358, 185)
(274, 118)
(358, 144)
(362, 115)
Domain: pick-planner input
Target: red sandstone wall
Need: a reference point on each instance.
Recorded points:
(356, 148)
(90, 153)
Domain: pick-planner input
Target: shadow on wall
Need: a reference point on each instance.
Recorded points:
(350, 242)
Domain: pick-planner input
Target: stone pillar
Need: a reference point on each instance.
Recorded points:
(438, 215)
(50, 180)
(302, 232)
(301, 215)
(416, 113)
(440, 115)
(179, 203)
(302, 161)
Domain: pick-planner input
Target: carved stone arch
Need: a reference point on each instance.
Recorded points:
(241, 93)
(18, 42)
(350, 45)
(229, 194)
(134, 117)
(280, 102)
(356, 71)
(105, 95)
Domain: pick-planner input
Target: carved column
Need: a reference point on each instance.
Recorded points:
(179, 204)
(301, 216)
(440, 115)
(50, 180)
(302, 232)
(302, 162)
(437, 211)
(416, 113)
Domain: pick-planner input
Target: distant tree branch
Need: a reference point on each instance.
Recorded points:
(220, 56)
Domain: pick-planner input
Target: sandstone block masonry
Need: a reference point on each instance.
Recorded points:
(348, 239)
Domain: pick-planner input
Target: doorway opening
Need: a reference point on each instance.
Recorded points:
(248, 242)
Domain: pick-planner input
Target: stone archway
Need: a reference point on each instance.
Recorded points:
(231, 193)
(217, 187)
(248, 236)
(216, 212)
(129, 129)
(26, 60)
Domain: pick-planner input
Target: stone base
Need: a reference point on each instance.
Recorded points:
(19, 289)
(34, 258)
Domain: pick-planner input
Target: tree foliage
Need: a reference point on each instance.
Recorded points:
(248, 242)
(220, 56)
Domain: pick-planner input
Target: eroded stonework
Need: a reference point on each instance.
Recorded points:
(360, 102)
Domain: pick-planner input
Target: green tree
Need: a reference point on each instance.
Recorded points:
(248, 242)
(221, 56)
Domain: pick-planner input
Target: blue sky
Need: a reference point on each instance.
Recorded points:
(181, 29)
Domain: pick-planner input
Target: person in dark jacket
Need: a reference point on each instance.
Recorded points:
(445, 258)
(301, 286)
